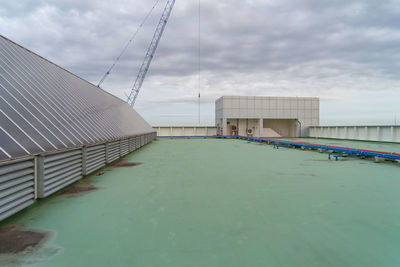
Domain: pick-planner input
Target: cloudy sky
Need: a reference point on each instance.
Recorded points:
(347, 52)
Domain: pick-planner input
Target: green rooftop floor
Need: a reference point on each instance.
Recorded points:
(209, 202)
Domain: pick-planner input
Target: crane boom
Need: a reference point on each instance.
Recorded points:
(150, 53)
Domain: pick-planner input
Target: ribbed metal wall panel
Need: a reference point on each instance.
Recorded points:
(124, 144)
(113, 151)
(132, 144)
(137, 142)
(17, 187)
(95, 158)
(60, 170)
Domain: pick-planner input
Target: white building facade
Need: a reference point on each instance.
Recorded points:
(266, 116)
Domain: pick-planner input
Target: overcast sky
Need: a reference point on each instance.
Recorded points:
(347, 52)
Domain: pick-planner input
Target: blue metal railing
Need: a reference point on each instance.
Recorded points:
(343, 150)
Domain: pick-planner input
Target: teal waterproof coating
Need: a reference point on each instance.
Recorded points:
(222, 202)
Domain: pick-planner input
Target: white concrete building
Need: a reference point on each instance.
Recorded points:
(266, 116)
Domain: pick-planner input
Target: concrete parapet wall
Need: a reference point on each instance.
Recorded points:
(185, 130)
(368, 133)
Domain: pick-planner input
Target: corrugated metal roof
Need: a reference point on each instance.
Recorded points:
(45, 108)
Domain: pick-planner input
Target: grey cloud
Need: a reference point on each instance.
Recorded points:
(306, 47)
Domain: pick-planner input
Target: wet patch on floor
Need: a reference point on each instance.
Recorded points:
(82, 187)
(307, 174)
(123, 163)
(298, 174)
(20, 246)
(14, 240)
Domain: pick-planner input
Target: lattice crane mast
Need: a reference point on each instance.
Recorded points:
(150, 53)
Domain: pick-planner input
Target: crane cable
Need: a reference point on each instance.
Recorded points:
(127, 45)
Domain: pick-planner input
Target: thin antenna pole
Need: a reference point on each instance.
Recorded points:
(199, 58)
